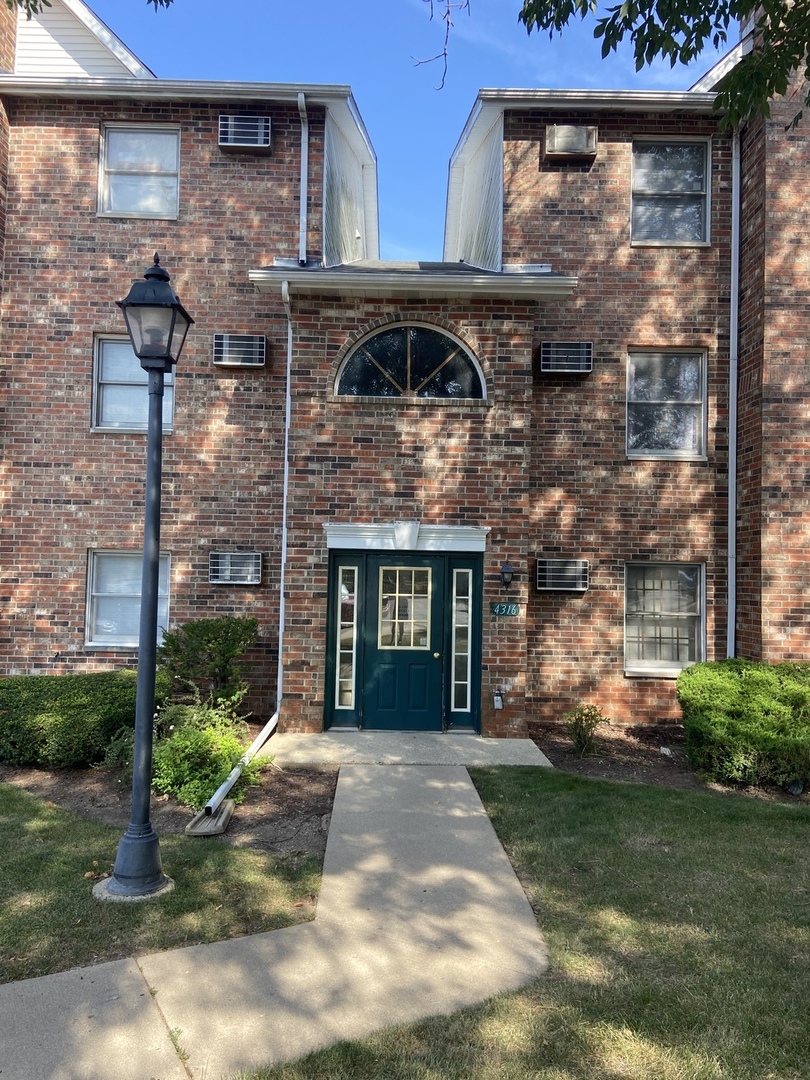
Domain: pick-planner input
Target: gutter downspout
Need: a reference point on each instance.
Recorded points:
(215, 800)
(282, 605)
(733, 394)
(302, 218)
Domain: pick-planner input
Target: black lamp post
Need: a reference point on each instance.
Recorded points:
(157, 323)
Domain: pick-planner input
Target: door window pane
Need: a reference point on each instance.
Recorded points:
(346, 638)
(404, 608)
(462, 657)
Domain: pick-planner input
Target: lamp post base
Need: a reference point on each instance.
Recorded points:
(137, 874)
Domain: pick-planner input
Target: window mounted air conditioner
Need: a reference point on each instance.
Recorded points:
(562, 575)
(566, 357)
(240, 350)
(235, 567)
(570, 141)
(244, 133)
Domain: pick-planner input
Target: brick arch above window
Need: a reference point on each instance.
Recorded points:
(410, 359)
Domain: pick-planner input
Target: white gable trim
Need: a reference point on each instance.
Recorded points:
(406, 536)
(108, 39)
(101, 39)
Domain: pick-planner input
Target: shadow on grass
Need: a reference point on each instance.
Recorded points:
(679, 930)
(50, 922)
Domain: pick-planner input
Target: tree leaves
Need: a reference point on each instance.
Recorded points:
(680, 30)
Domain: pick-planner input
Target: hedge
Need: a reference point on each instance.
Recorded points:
(747, 721)
(64, 720)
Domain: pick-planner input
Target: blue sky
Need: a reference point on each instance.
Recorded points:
(372, 45)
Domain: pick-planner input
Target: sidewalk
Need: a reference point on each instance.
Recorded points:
(419, 913)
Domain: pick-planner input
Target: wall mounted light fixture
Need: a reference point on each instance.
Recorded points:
(507, 573)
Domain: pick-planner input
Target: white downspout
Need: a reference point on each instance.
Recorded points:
(733, 376)
(282, 605)
(302, 217)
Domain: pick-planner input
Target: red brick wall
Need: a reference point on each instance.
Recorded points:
(776, 390)
(436, 462)
(586, 498)
(8, 38)
(749, 626)
(67, 489)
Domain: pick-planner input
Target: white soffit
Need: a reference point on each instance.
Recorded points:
(67, 40)
(406, 536)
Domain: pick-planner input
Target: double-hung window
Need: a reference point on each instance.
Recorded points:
(666, 405)
(663, 617)
(139, 171)
(114, 598)
(120, 398)
(670, 192)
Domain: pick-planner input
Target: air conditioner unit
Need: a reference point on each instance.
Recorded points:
(244, 133)
(562, 575)
(570, 140)
(566, 357)
(235, 567)
(240, 350)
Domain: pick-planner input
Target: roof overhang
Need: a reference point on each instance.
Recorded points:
(491, 104)
(338, 99)
(414, 282)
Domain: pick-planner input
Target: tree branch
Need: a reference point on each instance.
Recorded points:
(446, 13)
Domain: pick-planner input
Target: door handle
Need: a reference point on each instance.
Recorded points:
(437, 656)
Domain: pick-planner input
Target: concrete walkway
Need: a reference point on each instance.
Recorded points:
(420, 913)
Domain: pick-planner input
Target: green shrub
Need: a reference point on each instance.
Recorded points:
(581, 724)
(192, 763)
(64, 720)
(203, 655)
(746, 721)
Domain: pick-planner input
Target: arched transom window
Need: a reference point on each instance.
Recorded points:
(411, 361)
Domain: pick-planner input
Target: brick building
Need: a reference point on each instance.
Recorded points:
(611, 357)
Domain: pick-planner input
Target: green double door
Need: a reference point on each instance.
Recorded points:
(404, 642)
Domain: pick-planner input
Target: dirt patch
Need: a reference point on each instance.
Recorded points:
(640, 754)
(288, 812)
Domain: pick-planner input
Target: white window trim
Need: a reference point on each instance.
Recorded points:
(669, 455)
(660, 670)
(102, 172)
(675, 140)
(95, 425)
(89, 610)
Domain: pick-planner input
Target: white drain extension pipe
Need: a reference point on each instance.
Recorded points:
(213, 803)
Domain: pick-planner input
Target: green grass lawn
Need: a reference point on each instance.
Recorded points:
(49, 920)
(679, 932)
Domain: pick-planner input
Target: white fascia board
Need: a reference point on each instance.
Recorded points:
(724, 65)
(344, 283)
(108, 39)
(601, 100)
(328, 96)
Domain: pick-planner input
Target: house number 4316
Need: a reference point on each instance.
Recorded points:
(505, 609)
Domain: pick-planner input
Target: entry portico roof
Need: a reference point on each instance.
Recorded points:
(417, 279)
